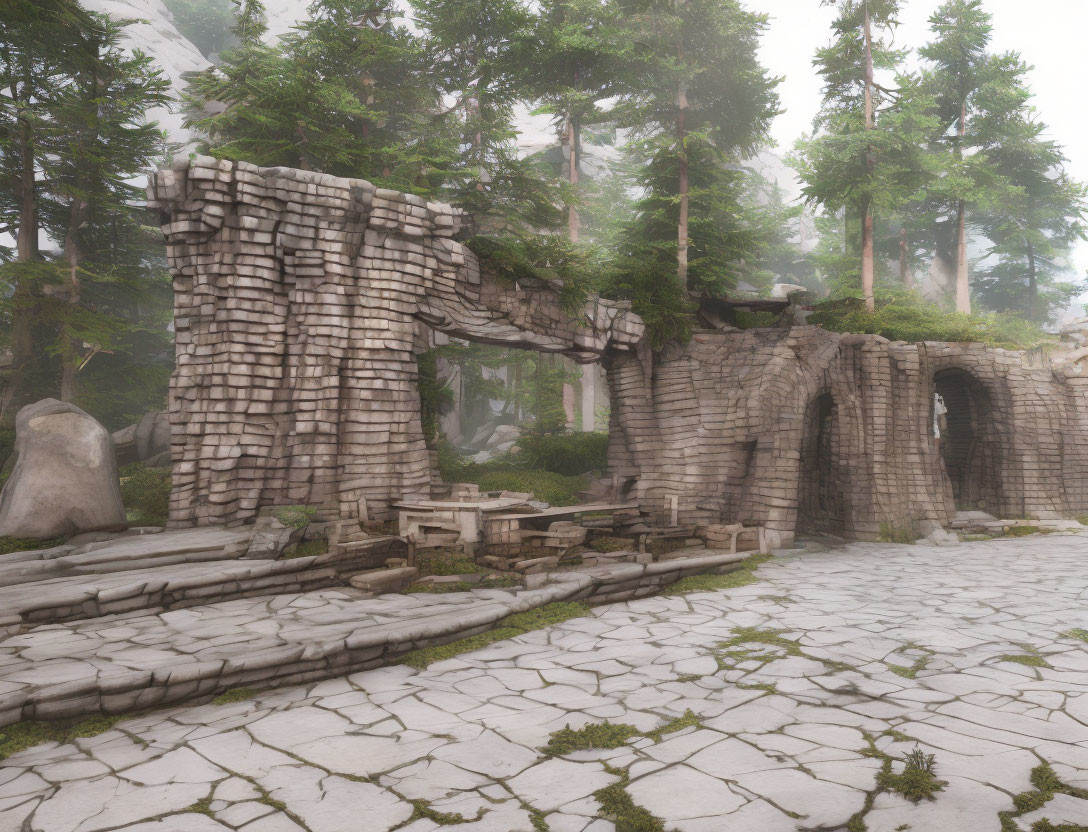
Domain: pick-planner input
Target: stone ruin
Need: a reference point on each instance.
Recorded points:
(302, 300)
(802, 429)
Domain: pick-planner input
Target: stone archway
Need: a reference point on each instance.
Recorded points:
(299, 299)
(968, 441)
(821, 502)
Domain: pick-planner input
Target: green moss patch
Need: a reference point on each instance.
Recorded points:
(1026, 659)
(308, 549)
(514, 625)
(918, 779)
(593, 736)
(24, 735)
(605, 735)
(234, 695)
(1076, 633)
(28, 544)
(890, 533)
(909, 317)
(618, 807)
(502, 582)
(146, 494)
(1024, 531)
(445, 561)
(295, 517)
(744, 576)
(1045, 785)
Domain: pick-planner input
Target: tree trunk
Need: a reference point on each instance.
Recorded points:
(1033, 286)
(682, 225)
(26, 250)
(904, 261)
(69, 359)
(868, 261)
(573, 222)
(963, 279)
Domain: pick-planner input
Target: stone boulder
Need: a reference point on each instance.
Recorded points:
(147, 441)
(65, 475)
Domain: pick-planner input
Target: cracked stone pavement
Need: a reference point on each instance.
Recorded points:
(778, 747)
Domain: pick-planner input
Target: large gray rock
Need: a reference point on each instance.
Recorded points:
(65, 476)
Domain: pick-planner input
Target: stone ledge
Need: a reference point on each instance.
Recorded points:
(148, 658)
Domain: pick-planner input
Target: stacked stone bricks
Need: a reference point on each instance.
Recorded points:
(300, 299)
(731, 422)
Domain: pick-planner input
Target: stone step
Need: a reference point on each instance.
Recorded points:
(125, 554)
(72, 598)
(141, 659)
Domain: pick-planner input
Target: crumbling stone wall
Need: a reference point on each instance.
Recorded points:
(300, 302)
(834, 432)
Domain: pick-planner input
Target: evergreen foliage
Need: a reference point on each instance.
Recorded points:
(87, 323)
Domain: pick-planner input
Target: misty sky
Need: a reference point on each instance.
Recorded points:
(1049, 34)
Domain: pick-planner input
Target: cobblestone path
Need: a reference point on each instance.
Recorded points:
(782, 703)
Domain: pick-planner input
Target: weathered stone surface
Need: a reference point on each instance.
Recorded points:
(466, 736)
(300, 302)
(804, 428)
(271, 538)
(65, 479)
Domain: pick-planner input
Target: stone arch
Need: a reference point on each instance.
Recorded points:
(971, 444)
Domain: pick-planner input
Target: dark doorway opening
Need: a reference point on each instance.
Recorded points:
(821, 501)
(967, 438)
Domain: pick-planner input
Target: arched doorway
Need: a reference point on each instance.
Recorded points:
(967, 439)
(821, 505)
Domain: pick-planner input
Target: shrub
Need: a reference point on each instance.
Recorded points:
(146, 494)
(569, 454)
(908, 317)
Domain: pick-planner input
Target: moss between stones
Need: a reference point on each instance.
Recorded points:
(234, 695)
(1027, 659)
(24, 735)
(1077, 633)
(596, 735)
(502, 582)
(201, 807)
(743, 576)
(1046, 785)
(918, 780)
(605, 735)
(421, 809)
(618, 807)
(536, 818)
(514, 625)
(1024, 531)
(610, 544)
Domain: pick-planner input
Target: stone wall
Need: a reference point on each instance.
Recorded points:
(803, 428)
(300, 302)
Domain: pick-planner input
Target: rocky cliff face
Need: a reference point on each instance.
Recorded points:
(156, 35)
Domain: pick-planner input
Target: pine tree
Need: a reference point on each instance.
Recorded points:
(960, 64)
(1032, 227)
(702, 95)
(97, 141)
(348, 93)
(578, 53)
(41, 45)
(868, 153)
